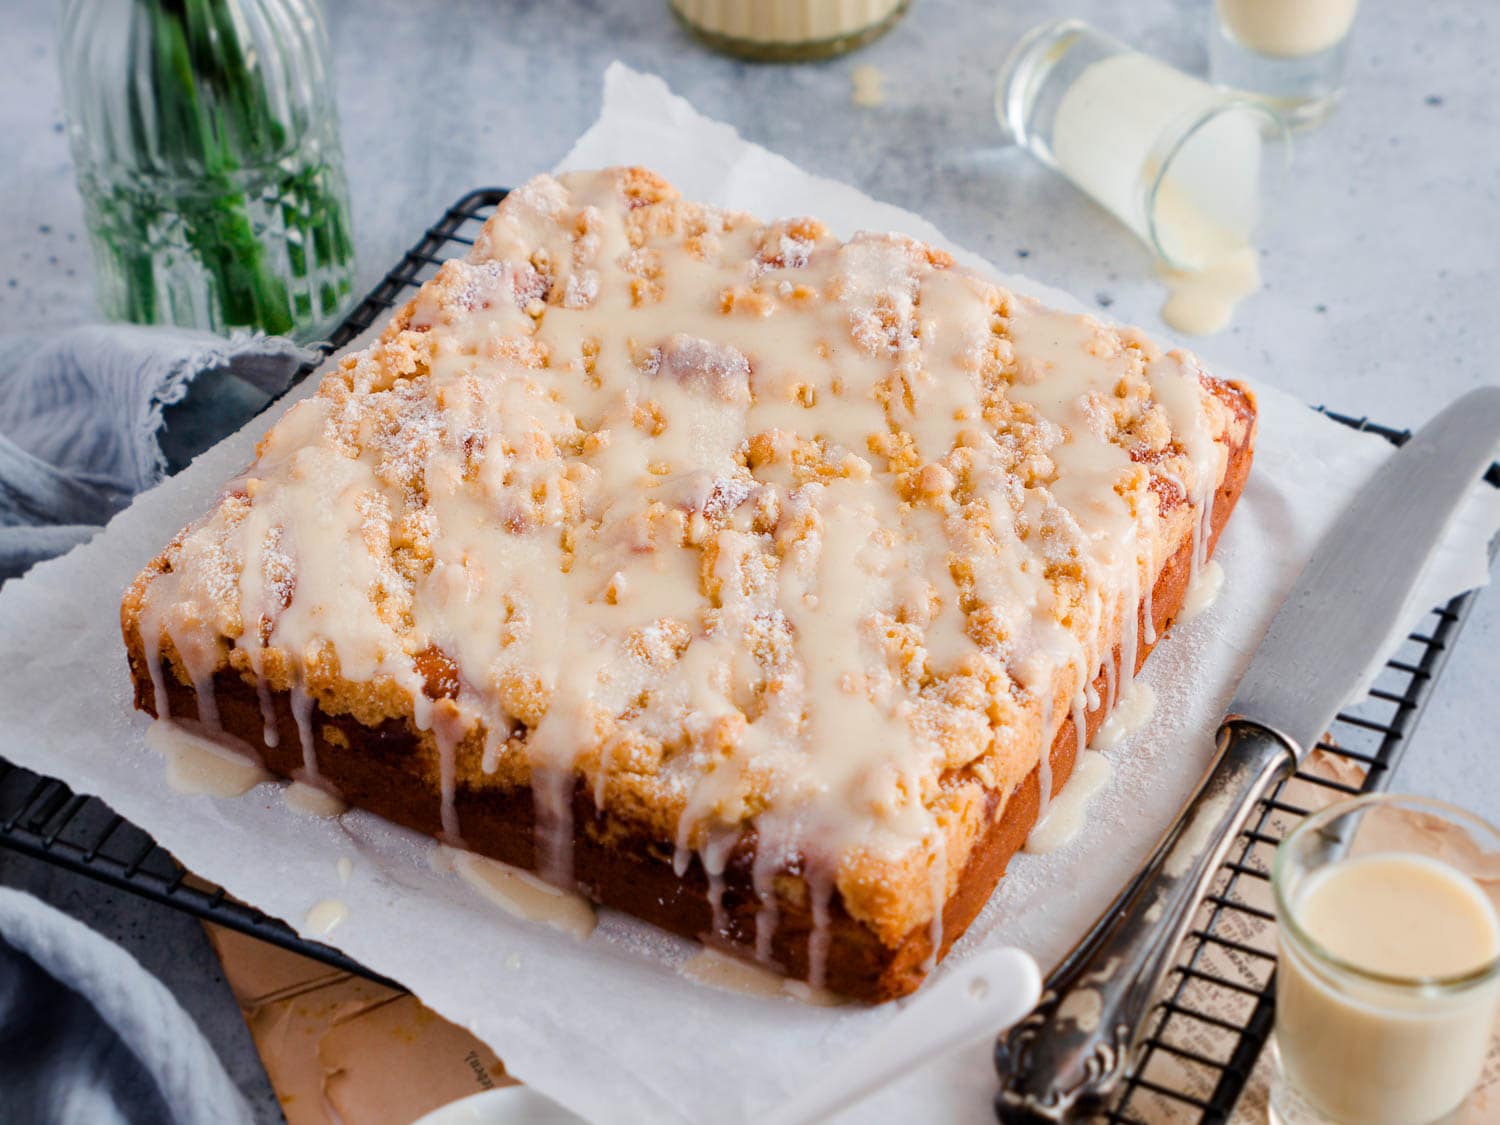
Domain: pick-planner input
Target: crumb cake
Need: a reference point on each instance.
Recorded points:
(759, 584)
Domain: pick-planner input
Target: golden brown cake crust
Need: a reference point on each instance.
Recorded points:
(853, 918)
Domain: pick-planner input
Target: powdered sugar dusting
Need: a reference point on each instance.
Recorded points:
(720, 369)
(582, 290)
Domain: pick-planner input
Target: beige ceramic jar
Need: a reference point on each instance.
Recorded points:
(787, 30)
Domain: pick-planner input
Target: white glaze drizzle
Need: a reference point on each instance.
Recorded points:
(1132, 714)
(445, 730)
(715, 857)
(313, 800)
(937, 881)
(1148, 616)
(1069, 811)
(523, 895)
(769, 856)
(1110, 684)
(820, 884)
(579, 439)
(269, 734)
(324, 917)
(203, 689)
(302, 708)
(151, 635)
(717, 970)
(1044, 763)
(202, 760)
(1202, 593)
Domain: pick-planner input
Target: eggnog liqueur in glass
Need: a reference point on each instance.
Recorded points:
(1184, 165)
(1388, 972)
(1291, 52)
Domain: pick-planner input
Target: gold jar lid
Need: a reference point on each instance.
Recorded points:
(787, 30)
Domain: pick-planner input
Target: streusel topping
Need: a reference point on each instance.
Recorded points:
(742, 525)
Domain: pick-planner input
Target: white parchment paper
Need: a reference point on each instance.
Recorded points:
(609, 1026)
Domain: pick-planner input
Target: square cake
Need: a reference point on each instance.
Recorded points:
(762, 585)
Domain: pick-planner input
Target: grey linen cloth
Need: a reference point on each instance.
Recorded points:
(89, 418)
(92, 416)
(88, 1037)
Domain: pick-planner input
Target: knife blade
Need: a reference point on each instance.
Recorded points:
(1355, 588)
(1077, 1046)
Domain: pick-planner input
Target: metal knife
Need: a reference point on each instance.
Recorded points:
(1075, 1048)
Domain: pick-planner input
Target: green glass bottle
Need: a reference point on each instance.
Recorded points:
(206, 143)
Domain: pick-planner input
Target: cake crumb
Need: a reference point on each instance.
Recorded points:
(867, 91)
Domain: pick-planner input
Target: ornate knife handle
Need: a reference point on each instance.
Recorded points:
(1074, 1049)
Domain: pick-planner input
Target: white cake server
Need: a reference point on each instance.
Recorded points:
(975, 998)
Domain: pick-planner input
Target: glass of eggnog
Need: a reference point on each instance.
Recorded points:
(1389, 961)
(1181, 163)
(1291, 52)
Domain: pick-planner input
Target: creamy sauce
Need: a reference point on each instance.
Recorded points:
(1288, 28)
(1068, 812)
(731, 974)
(867, 86)
(345, 868)
(325, 917)
(1202, 302)
(522, 894)
(784, 21)
(1202, 592)
(1362, 1051)
(1131, 714)
(312, 800)
(198, 764)
(719, 970)
(1221, 269)
(808, 994)
(677, 500)
(1400, 915)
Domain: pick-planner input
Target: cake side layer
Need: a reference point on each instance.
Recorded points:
(381, 769)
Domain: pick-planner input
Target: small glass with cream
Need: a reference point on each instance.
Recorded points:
(1389, 970)
(1184, 165)
(1291, 52)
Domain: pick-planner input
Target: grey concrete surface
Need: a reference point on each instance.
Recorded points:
(1381, 264)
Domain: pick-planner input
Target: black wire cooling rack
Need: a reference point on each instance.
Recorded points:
(1215, 1015)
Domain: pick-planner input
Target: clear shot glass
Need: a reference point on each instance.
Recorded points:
(1290, 52)
(1184, 165)
(1389, 962)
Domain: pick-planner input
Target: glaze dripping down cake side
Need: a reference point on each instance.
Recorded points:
(752, 582)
